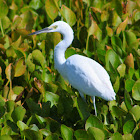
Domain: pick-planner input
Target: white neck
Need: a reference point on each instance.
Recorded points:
(59, 51)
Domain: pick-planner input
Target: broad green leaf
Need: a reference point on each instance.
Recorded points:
(38, 58)
(52, 137)
(3, 9)
(27, 20)
(68, 15)
(96, 133)
(93, 121)
(109, 31)
(128, 100)
(53, 98)
(10, 105)
(116, 85)
(20, 68)
(135, 111)
(45, 132)
(9, 72)
(129, 61)
(82, 108)
(66, 132)
(51, 9)
(30, 64)
(31, 134)
(5, 137)
(104, 16)
(129, 84)
(116, 136)
(131, 39)
(129, 126)
(10, 52)
(35, 4)
(121, 69)
(127, 137)
(122, 26)
(22, 126)
(18, 89)
(17, 43)
(136, 90)
(81, 134)
(118, 112)
(113, 58)
(18, 113)
(116, 20)
(5, 22)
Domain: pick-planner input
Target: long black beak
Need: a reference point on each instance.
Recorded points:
(45, 30)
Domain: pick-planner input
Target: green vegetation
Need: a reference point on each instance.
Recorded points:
(35, 102)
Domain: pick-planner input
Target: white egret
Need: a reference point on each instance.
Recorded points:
(83, 73)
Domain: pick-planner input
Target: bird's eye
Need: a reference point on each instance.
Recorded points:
(54, 27)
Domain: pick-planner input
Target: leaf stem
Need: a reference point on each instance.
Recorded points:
(1, 28)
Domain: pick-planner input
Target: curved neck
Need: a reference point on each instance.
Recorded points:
(59, 52)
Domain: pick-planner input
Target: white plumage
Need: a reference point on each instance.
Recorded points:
(83, 73)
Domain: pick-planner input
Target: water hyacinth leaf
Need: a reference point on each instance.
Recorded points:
(128, 100)
(81, 134)
(136, 90)
(5, 22)
(18, 113)
(32, 134)
(116, 136)
(66, 132)
(30, 64)
(3, 9)
(17, 43)
(10, 106)
(68, 15)
(22, 126)
(95, 30)
(5, 137)
(53, 98)
(27, 21)
(96, 133)
(20, 67)
(35, 4)
(109, 31)
(116, 20)
(116, 85)
(131, 39)
(9, 72)
(45, 132)
(51, 9)
(93, 121)
(129, 126)
(116, 41)
(135, 111)
(121, 69)
(122, 26)
(52, 136)
(38, 58)
(104, 16)
(118, 112)
(18, 89)
(129, 84)
(127, 137)
(113, 58)
(129, 61)
(82, 108)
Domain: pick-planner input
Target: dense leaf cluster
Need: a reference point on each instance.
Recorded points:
(36, 102)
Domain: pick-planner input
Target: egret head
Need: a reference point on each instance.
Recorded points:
(58, 26)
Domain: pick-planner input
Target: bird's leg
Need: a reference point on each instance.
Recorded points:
(82, 95)
(93, 98)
